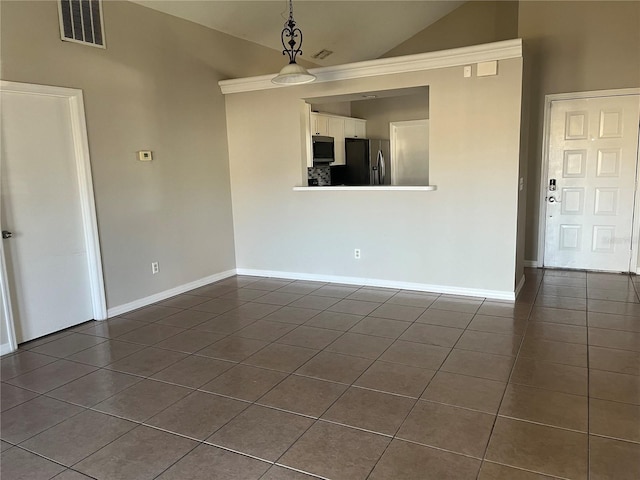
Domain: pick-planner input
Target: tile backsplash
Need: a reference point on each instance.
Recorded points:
(321, 174)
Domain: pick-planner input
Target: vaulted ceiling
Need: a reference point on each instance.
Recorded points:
(354, 30)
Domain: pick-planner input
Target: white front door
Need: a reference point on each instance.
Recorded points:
(47, 262)
(591, 181)
(410, 152)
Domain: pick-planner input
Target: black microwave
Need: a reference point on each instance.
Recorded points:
(323, 150)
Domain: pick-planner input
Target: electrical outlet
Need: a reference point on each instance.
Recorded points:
(356, 254)
(155, 268)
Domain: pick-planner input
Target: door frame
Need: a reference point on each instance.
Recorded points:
(393, 127)
(544, 169)
(75, 102)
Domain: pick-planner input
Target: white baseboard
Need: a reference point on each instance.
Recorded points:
(531, 263)
(5, 348)
(370, 282)
(519, 286)
(143, 302)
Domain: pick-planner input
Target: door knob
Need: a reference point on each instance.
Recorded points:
(553, 199)
(7, 234)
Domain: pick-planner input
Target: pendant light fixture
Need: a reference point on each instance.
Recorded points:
(291, 37)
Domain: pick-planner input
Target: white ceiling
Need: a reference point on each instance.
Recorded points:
(354, 29)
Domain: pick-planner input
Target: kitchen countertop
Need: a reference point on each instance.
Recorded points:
(402, 188)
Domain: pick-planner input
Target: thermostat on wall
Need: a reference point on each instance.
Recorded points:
(145, 155)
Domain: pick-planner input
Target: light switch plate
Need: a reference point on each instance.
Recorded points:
(467, 71)
(145, 155)
(486, 69)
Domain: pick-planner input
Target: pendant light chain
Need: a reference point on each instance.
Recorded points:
(292, 33)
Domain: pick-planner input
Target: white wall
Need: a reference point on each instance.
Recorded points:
(463, 235)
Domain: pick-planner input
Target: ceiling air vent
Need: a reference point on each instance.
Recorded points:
(322, 54)
(81, 22)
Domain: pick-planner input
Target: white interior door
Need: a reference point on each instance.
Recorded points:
(410, 152)
(47, 257)
(591, 181)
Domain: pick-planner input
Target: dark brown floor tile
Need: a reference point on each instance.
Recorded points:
(284, 358)
(147, 362)
(396, 378)
(557, 332)
(568, 281)
(19, 464)
(301, 287)
(600, 337)
(94, 388)
(46, 339)
(182, 301)
(456, 305)
(358, 345)
(568, 303)
(105, 353)
(303, 395)
(413, 299)
(336, 452)
(335, 367)
(616, 308)
(280, 473)
(293, 315)
(613, 419)
(613, 459)
(550, 376)
(372, 294)
(614, 386)
(224, 324)
(432, 334)
(150, 334)
(234, 349)
(244, 382)
(10, 396)
(445, 318)
(143, 454)
(494, 471)
(194, 371)
(500, 309)
(142, 400)
(197, 415)
(621, 294)
(416, 354)
(563, 291)
(380, 327)
(34, 416)
(71, 475)
(151, 313)
(620, 361)
(556, 315)
(245, 294)
(478, 364)
(262, 432)
(68, 345)
(554, 352)
(51, 376)
(614, 322)
(112, 328)
(463, 391)
(408, 461)
(503, 325)
(207, 462)
(374, 411)
(270, 284)
(279, 298)
(186, 318)
(398, 312)
(255, 310)
(310, 337)
(489, 342)
(218, 305)
(190, 341)
(539, 448)
(315, 302)
(450, 428)
(334, 321)
(5, 446)
(78, 437)
(546, 407)
(21, 363)
(354, 307)
(337, 291)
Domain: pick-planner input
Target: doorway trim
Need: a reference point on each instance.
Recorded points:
(75, 101)
(544, 168)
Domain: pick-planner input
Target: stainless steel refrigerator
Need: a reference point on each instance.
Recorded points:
(367, 162)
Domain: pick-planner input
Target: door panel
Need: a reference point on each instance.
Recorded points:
(47, 263)
(591, 183)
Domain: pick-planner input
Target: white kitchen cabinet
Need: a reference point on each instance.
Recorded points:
(336, 130)
(319, 124)
(355, 128)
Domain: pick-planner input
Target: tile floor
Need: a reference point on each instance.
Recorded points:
(254, 378)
